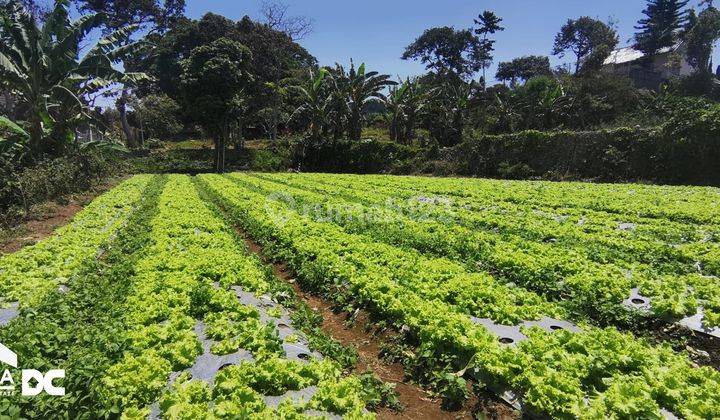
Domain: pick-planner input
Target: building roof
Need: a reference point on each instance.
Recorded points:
(630, 54)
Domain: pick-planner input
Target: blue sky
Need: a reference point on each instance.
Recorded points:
(377, 32)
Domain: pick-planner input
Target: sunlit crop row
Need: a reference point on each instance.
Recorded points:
(593, 373)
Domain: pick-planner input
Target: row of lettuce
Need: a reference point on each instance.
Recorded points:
(589, 259)
(591, 374)
(28, 275)
(126, 321)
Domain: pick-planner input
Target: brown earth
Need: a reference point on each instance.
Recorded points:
(43, 219)
(417, 403)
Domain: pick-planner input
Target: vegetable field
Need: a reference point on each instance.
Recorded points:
(550, 296)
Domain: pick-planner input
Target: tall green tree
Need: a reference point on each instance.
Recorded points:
(271, 116)
(157, 115)
(447, 114)
(488, 23)
(415, 100)
(42, 66)
(213, 81)
(660, 28)
(446, 49)
(690, 22)
(590, 40)
(394, 111)
(701, 38)
(539, 102)
(523, 69)
(275, 59)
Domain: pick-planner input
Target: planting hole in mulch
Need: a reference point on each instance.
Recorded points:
(416, 402)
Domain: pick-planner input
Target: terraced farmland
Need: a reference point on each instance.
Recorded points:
(553, 297)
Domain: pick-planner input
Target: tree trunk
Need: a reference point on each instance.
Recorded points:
(410, 129)
(275, 122)
(355, 125)
(220, 155)
(338, 127)
(127, 130)
(458, 127)
(220, 147)
(240, 135)
(216, 154)
(315, 130)
(326, 131)
(394, 129)
(36, 135)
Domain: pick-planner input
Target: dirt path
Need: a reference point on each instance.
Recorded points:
(417, 403)
(45, 218)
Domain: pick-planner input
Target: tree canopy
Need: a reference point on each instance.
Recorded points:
(488, 23)
(523, 68)
(276, 15)
(701, 37)
(446, 49)
(42, 66)
(159, 13)
(213, 80)
(664, 20)
(274, 56)
(590, 40)
(363, 86)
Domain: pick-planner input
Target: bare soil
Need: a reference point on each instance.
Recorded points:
(702, 349)
(43, 219)
(367, 340)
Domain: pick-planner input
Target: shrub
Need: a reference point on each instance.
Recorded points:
(684, 150)
(53, 178)
(264, 160)
(516, 171)
(158, 115)
(364, 156)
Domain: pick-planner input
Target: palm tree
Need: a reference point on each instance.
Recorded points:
(363, 87)
(42, 67)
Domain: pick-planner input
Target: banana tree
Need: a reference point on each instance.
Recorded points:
(395, 112)
(404, 105)
(452, 101)
(43, 68)
(505, 113)
(415, 98)
(542, 100)
(363, 87)
(339, 84)
(13, 140)
(316, 103)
